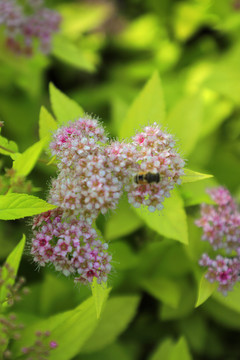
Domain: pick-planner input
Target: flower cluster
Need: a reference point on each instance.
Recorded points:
(155, 154)
(221, 228)
(223, 270)
(221, 223)
(86, 184)
(76, 140)
(93, 173)
(71, 245)
(24, 24)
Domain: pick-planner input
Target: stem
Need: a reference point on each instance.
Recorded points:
(11, 151)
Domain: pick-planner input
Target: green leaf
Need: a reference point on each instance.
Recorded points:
(65, 109)
(15, 206)
(68, 52)
(192, 176)
(188, 18)
(163, 289)
(122, 222)
(69, 329)
(140, 34)
(177, 255)
(119, 109)
(216, 110)
(195, 329)
(222, 315)
(163, 351)
(13, 260)
(6, 247)
(151, 257)
(180, 351)
(78, 18)
(168, 350)
(184, 121)
(47, 123)
(197, 246)
(25, 162)
(205, 290)
(185, 305)
(7, 147)
(117, 314)
(147, 108)
(194, 193)
(225, 75)
(47, 300)
(231, 301)
(123, 255)
(115, 351)
(100, 293)
(171, 221)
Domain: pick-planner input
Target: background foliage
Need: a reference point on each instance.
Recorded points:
(107, 59)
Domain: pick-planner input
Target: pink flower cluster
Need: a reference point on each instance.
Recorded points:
(93, 173)
(221, 223)
(223, 270)
(71, 246)
(221, 228)
(23, 24)
(154, 154)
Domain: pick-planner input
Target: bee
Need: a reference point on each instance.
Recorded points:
(147, 178)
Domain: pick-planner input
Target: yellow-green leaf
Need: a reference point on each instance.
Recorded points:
(168, 350)
(15, 206)
(122, 222)
(69, 329)
(65, 109)
(163, 350)
(68, 52)
(25, 162)
(180, 351)
(117, 314)
(7, 147)
(13, 260)
(147, 108)
(231, 301)
(205, 290)
(171, 221)
(191, 176)
(79, 18)
(185, 120)
(100, 293)
(163, 289)
(47, 123)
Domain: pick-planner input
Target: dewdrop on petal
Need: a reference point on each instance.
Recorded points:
(72, 246)
(155, 154)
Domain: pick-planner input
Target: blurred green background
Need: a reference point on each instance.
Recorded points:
(104, 54)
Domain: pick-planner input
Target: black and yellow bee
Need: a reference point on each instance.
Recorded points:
(147, 178)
